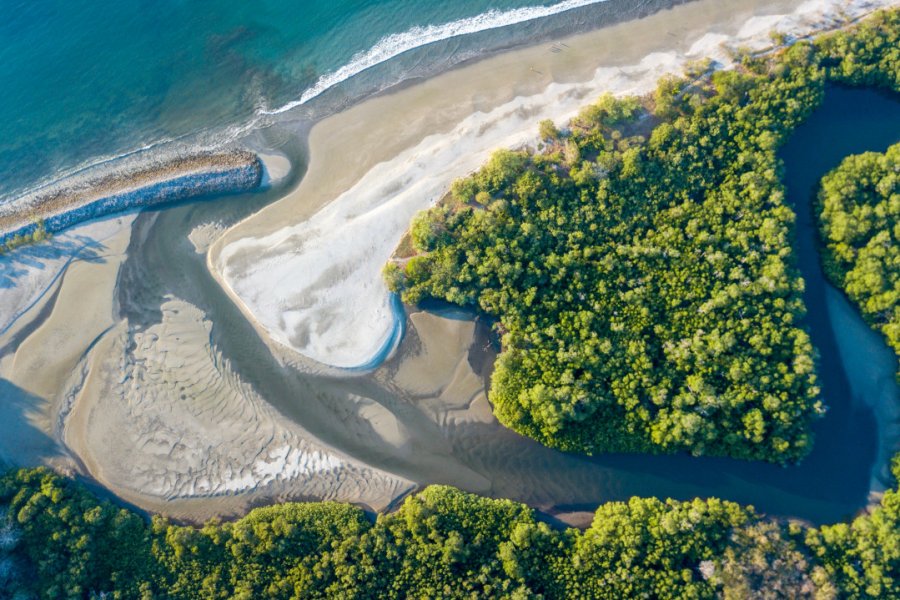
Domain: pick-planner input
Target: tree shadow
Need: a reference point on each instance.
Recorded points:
(18, 263)
(22, 444)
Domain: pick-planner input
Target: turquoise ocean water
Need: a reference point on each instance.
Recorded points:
(86, 80)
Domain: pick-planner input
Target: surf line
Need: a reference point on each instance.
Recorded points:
(418, 36)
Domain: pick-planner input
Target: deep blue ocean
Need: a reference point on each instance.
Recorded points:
(87, 80)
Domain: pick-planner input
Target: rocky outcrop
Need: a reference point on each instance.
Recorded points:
(170, 181)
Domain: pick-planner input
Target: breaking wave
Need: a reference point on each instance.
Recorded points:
(398, 43)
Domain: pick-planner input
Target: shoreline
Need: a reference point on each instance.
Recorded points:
(403, 160)
(397, 122)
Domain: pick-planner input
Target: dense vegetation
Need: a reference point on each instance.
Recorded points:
(640, 268)
(859, 205)
(58, 541)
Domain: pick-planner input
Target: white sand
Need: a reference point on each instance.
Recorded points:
(314, 285)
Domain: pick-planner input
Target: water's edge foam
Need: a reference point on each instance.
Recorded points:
(217, 138)
(398, 43)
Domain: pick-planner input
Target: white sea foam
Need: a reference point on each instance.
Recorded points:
(210, 140)
(416, 37)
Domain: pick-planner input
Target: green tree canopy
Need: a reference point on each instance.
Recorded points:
(642, 277)
(859, 215)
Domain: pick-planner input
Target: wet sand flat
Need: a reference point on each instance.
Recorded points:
(161, 415)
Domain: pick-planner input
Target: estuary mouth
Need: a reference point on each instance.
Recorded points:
(581, 298)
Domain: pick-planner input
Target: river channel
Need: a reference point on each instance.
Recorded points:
(856, 369)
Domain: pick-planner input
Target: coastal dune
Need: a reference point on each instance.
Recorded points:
(307, 270)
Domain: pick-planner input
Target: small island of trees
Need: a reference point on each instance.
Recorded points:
(859, 212)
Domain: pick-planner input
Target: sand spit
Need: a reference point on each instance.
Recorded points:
(68, 203)
(310, 276)
(202, 236)
(160, 415)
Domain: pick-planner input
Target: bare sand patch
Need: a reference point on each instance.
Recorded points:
(433, 372)
(71, 296)
(29, 275)
(276, 167)
(202, 236)
(162, 416)
(443, 342)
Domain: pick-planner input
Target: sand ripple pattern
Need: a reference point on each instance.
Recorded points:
(165, 415)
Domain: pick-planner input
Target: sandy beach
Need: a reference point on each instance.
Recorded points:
(161, 416)
(49, 324)
(307, 269)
